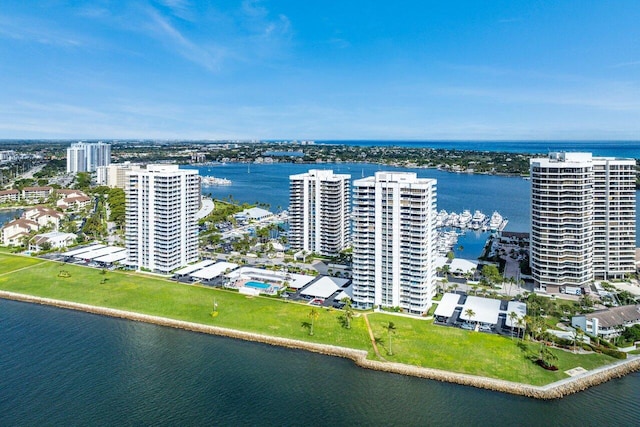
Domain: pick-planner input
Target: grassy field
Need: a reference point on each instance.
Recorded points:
(416, 342)
(422, 343)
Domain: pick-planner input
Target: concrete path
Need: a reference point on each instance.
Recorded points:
(373, 338)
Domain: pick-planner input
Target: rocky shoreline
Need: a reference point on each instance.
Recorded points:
(554, 390)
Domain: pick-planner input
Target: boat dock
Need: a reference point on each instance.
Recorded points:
(476, 221)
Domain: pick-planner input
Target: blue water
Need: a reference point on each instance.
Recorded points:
(60, 367)
(629, 149)
(9, 215)
(258, 285)
(269, 183)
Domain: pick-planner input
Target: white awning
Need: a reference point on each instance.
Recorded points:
(325, 287)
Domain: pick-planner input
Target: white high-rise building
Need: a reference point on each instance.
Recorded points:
(87, 157)
(319, 212)
(161, 228)
(394, 236)
(614, 221)
(76, 158)
(582, 219)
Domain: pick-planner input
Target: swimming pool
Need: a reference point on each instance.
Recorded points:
(257, 285)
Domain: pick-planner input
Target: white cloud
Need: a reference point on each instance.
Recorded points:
(38, 31)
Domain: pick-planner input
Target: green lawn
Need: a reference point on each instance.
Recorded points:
(156, 296)
(422, 343)
(416, 342)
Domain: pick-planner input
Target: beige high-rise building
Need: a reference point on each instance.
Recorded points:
(582, 220)
(115, 174)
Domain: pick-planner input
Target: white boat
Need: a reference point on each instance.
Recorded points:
(452, 221)
(212, 180)
(441, 218)
(477, 220)
(496, 221)
(465, 219)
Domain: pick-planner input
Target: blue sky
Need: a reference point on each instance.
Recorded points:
(350, 69)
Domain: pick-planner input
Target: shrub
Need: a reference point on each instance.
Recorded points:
(614, 353)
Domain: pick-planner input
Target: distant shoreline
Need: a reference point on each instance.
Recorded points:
(551, 391)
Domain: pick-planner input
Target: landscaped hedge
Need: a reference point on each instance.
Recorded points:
(614, 353)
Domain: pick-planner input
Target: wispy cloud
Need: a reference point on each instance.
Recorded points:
(626, 64)
(610, 96)
(179, 8)
(161, 28)
(39, 31)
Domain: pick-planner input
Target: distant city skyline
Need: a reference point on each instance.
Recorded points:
(174, 69)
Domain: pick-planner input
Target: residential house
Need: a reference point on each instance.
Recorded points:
(9, 196)
(610, 322)
(34, 194)
(14, 231)
(44, 216)
(53, 239)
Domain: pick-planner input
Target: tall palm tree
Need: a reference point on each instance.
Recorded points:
(514, 317)
(313, 315)
(391, 329)
(348, 311)
(470, 313)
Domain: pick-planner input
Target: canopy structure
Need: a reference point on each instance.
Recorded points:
(193, 267)
(90, 256)
(447, 306)
(518, 308)
(113, 257)
(214, 270)
(485, 310)
(324, 287)
(77, 251)
(346, 293)
(463, 265)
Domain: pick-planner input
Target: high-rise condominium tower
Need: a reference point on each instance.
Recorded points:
(394, 235)
(161, 228)
(86, 157)
(319, 211)
(582, 219)
(614, 220)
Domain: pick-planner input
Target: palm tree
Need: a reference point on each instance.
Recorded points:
(577, 336)
(547, 356)
(514, 317)
(348, 311)
(313, 315)
(475, 289)
(391, 329)
(470, 313)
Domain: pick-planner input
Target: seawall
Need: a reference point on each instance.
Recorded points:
(554, 390)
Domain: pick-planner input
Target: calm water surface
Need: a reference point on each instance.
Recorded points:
(269, 183)
(60, 367)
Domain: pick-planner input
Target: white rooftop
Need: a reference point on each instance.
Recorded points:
(447, 305)
(346, 293)
(257, 213)
(114, 257)
(214, 270)
(99, 252)
(76, 251)
(517, 307)
(463, 265)
(194, 267)
(325, 287)
(486, 310)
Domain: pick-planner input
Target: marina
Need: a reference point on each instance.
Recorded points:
(213, 181)
(476, 221)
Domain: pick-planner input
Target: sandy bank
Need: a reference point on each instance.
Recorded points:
(551, 391)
